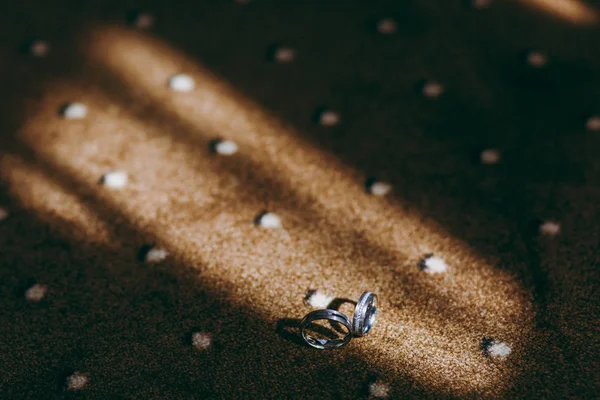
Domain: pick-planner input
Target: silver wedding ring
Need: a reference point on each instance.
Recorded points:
(331, 315)
(364, 314)
(362, 322)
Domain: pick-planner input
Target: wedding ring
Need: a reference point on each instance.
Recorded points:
(364, 314)
(330, 315)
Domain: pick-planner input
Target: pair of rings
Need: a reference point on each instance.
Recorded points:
(361, 324)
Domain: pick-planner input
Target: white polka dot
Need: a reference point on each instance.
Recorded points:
(497, 349)
(115, 179)
(3, 213)
(379, 390)
(269, 220)
(480, 4)
(329, 118)
(39, 48)
(201, 340)
(226, 147)
(74, 111)
(550, 228)
(317, 299)
(490, 156)
(593, 124)
(36, 292)
(387, 26)
(182, 83)
(433, 89)
(433, 264)
(284, 54)
(77, 381)
(537, 59)
(143, 20)
(380, 189)
(155, 255)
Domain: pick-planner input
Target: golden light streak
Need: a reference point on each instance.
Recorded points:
(571, 10)
(217, 109)
(40, 193)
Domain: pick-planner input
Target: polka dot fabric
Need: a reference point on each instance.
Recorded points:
(178, 192)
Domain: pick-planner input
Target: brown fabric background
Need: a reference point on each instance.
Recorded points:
(126, 323)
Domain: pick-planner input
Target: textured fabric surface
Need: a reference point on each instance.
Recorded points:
(513, 311)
